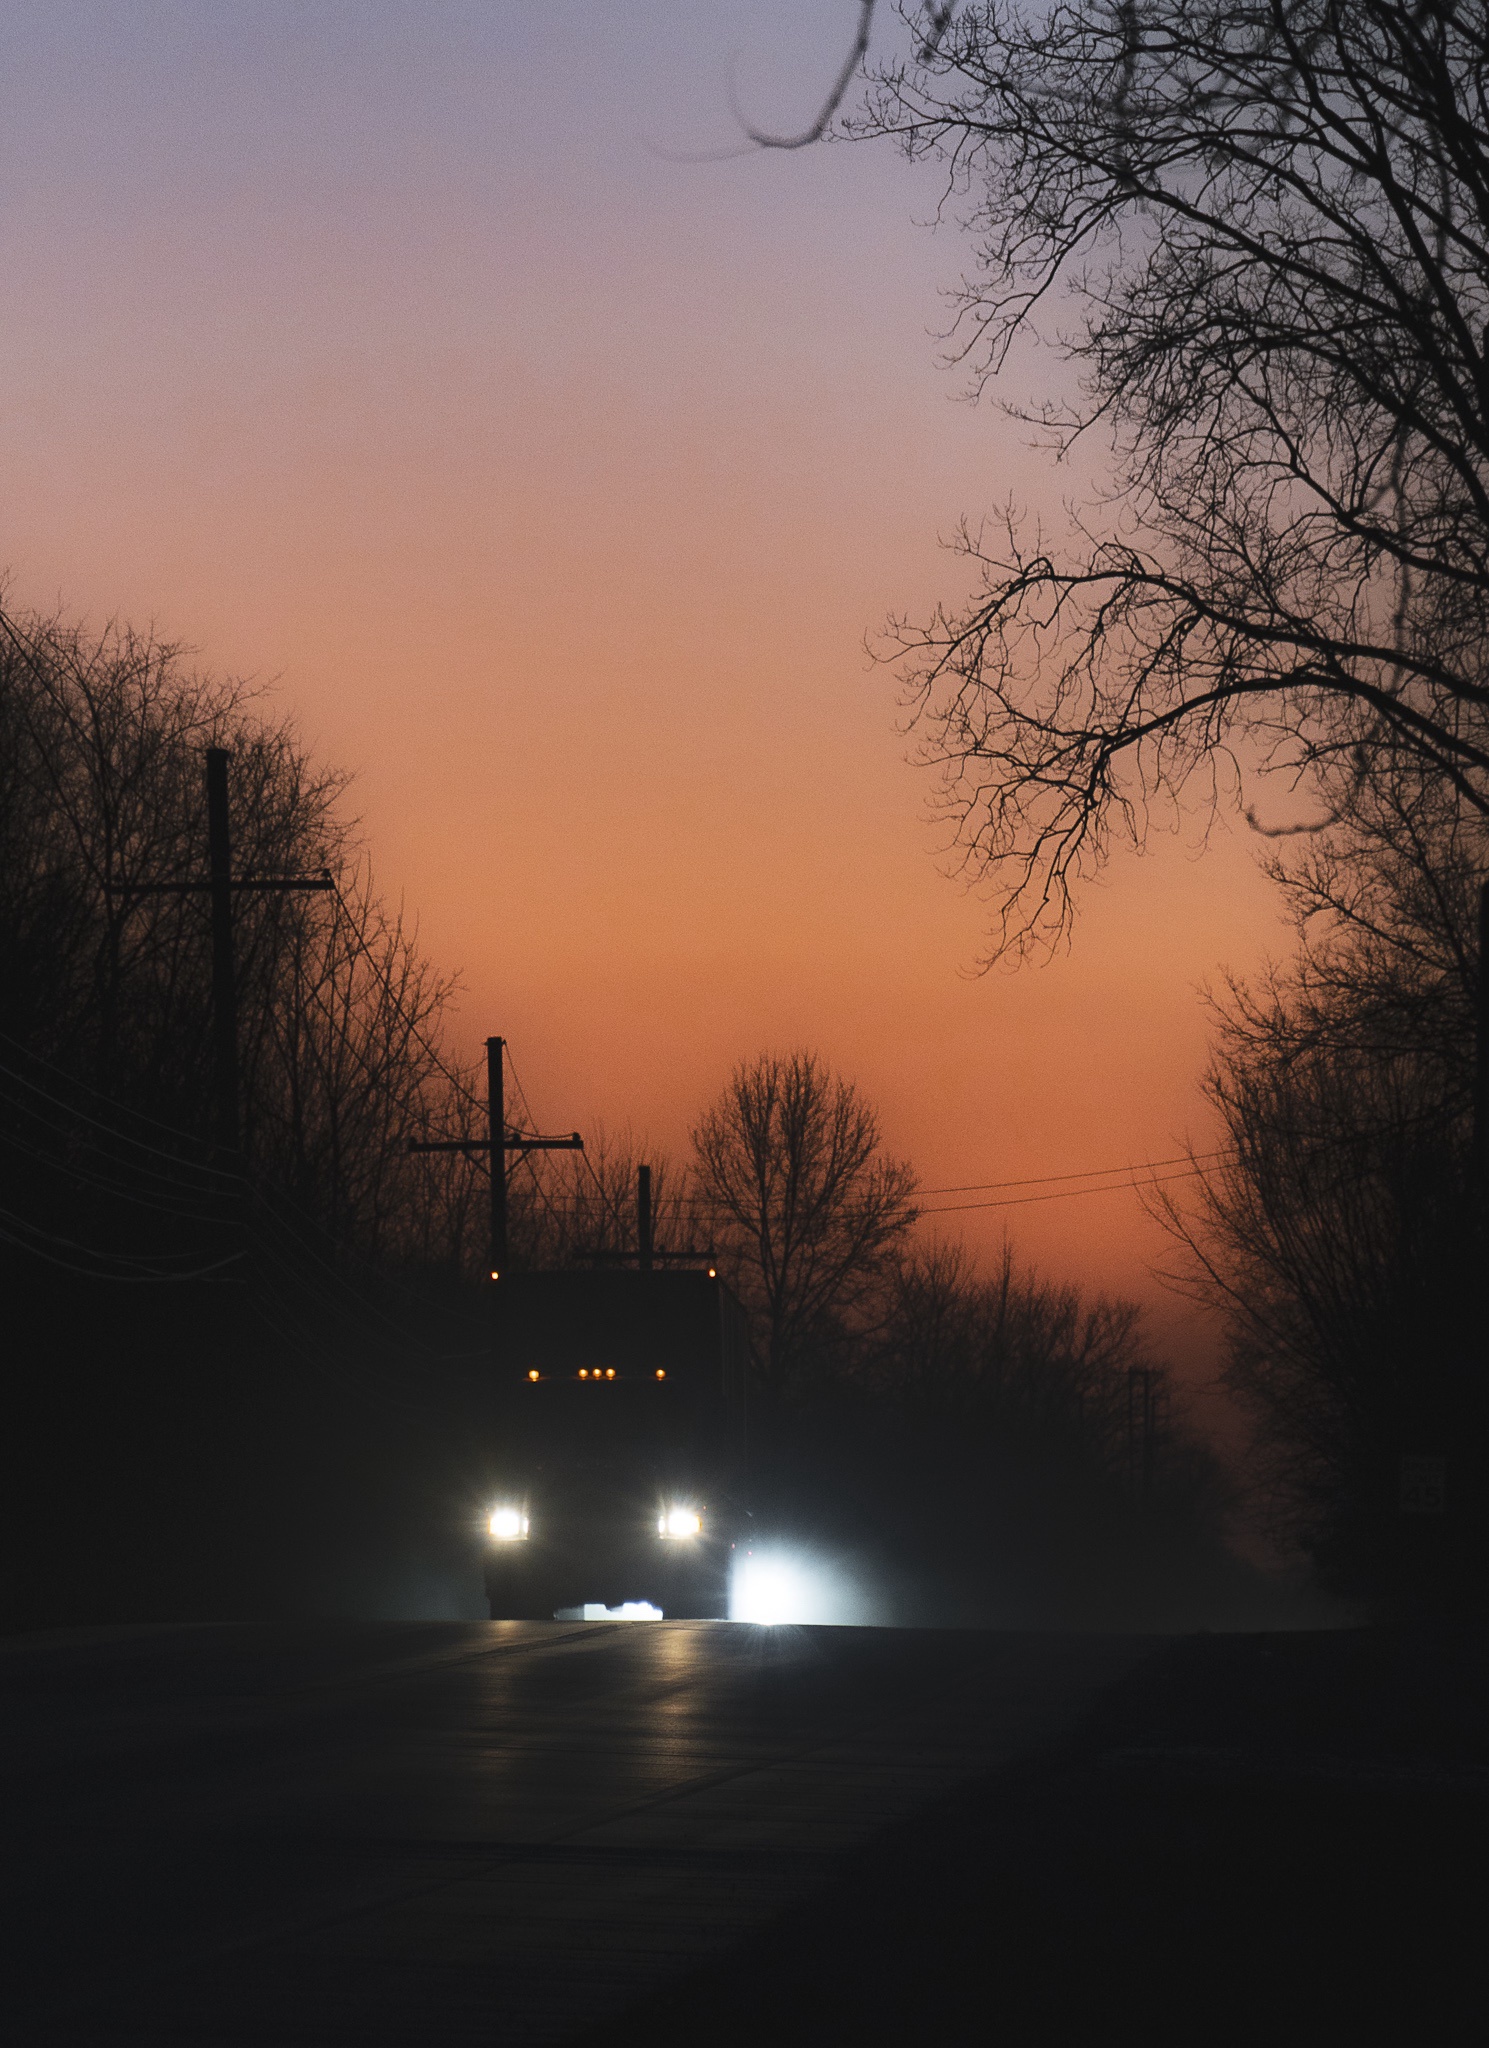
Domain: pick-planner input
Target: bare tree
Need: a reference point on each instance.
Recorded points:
(1040, 1366)
(102, 739)
(1339, 1232)
(1260, 232)
(805, 1204)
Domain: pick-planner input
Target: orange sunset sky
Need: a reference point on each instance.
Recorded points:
(406, 357)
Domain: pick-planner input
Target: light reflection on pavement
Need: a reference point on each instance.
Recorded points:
(460, 1831)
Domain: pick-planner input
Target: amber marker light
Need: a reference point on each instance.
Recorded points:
(532, 1375)
(496, 1276)
(610, 1372)
(660, 1374)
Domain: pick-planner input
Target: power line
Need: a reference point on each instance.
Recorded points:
(1115, 1187)
(1190, 1161)
(1089, 1173)
(527, 1109)
(701, 1207)
(531, 1121)
(460, 1086)
(177, 1161)
(128, 1267)
(283, 1237)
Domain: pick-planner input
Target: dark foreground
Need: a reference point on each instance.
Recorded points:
(718, 1834)
(451, 1832)
(1269, 1840)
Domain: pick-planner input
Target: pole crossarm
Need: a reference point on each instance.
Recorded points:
(499, 1140)
(270, 882)
(221, 885)
(661, 1258)
(515, 1141)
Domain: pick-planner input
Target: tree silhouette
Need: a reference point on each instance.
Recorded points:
(1339, 1232)
(1260, 232)
(804, 1202)
(102, 740)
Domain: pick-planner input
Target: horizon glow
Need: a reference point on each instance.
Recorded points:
(552, 480)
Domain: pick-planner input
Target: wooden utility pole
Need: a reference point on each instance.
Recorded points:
(1481, 1055)
(643, 1218)
(1143, 1400)
(220, 887)
(496, 1147)
(497, 1143)
(646, 1255)
(224, 970)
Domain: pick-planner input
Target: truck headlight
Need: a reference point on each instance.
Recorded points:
(680, 1522)
(508, 1525)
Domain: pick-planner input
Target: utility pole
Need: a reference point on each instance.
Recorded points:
(1481, 1056)
(1142, 1404)
(220, 887)
(496, 1146)
(646, 1255)
(224, 971)
(497, 1143)
(643, 1217)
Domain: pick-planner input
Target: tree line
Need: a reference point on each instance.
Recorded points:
(868, 1336)
(102, 799)
(1341, 1231)
(1256, 237)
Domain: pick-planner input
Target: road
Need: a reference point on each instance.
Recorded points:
(460, 1832)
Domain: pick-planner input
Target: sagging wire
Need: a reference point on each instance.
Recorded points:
(530, 1121)
(288, 1243)
(29, 1237)
(176, 1161)
(460, 1086)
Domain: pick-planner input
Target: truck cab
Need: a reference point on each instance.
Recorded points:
(620, 1430)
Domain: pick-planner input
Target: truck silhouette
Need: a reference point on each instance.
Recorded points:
(621, 1439)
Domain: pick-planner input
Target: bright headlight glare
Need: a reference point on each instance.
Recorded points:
(680, 1522)
(508, 1525)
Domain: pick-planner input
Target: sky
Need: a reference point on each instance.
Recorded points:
(449, 369)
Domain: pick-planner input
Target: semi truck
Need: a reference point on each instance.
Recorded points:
(620, 1475)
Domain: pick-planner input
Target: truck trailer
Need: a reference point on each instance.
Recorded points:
(621, 1432)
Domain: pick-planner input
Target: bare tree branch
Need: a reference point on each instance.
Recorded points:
(1271, 221)
(836, 92)
(937, 19)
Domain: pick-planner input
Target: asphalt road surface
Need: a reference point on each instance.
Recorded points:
(457, 1832)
